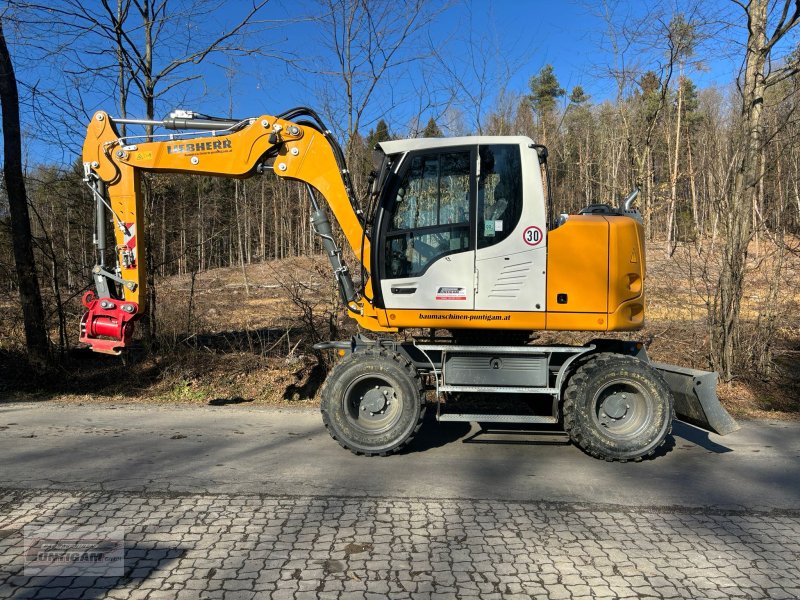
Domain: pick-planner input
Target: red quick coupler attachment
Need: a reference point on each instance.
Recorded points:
(107, 318)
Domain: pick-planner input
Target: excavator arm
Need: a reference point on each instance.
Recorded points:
(303, 151)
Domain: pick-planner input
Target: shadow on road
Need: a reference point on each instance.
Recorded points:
(227, 401)
(142, 562)
(434, 434)
(519, 434)
(697, 436)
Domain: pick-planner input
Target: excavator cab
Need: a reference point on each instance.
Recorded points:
(463, 240)
(450, 222)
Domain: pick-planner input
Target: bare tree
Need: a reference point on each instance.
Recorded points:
(682, 39)
(646, 52)
(759, 75)
(141, 34)
(635, 68)
(29, 293)
(474, 70)
(370, 41)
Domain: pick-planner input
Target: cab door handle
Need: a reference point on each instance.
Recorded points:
(403, 290)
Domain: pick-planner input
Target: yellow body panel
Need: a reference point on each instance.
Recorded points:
(625, 261)
(628, 317)
(534, 321)
(462, 319)
(577, 266)
(598, 262)
(627, 268)
(562, 321)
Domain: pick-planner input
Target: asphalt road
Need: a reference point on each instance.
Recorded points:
(280, 452)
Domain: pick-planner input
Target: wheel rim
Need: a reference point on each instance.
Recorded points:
(371, 404)
(622, 409)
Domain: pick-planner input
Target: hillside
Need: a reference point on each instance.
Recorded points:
(231, 336)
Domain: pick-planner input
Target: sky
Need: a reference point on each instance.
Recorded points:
(514, 40)
(568, 34)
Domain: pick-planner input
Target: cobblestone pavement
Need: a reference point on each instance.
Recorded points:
(242, 547)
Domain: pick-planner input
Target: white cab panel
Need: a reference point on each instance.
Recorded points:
(448, 284)
(511, 275)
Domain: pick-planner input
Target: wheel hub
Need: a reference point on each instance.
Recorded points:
(376, 399)
(621, 408)
(616, 406)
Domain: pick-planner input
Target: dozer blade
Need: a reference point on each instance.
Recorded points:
(696, 402)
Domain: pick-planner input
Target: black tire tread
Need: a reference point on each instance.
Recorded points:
(386, 354)
(601, 361)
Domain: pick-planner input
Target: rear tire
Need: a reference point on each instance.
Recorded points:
(372, 402)
(617, 408)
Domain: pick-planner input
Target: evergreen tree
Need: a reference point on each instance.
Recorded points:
(379, 134)
(650, 94)
(432, 130)
(691, 103)
(578, 97)
(545, 90)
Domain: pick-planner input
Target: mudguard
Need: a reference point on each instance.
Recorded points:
(695, 395)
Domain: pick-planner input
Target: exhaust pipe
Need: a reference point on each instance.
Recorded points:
(628, 202)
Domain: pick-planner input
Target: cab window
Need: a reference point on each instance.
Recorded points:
(499, 192)
(430, 213)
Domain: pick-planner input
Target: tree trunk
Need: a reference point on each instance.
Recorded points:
(122, 10)
(36, 339)
(645, 177)
(262, 231)
(148, 320)
(236, 196)
(673, 180)
(737, 220)
(692, 185)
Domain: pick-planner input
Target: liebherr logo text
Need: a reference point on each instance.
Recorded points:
(199, 147)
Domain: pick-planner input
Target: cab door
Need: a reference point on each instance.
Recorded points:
(427, 256)
(511, 245)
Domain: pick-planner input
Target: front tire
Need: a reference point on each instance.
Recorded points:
(372, 402)
(617, 408)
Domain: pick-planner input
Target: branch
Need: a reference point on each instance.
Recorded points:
(784, 25)
(198, 56)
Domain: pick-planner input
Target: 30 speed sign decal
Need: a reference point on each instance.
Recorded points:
(532, 235)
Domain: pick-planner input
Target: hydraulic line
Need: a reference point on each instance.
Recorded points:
(322, 227)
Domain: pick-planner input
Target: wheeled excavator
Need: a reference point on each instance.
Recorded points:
(458, 246)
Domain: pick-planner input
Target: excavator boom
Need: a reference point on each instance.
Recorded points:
(113, 164)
